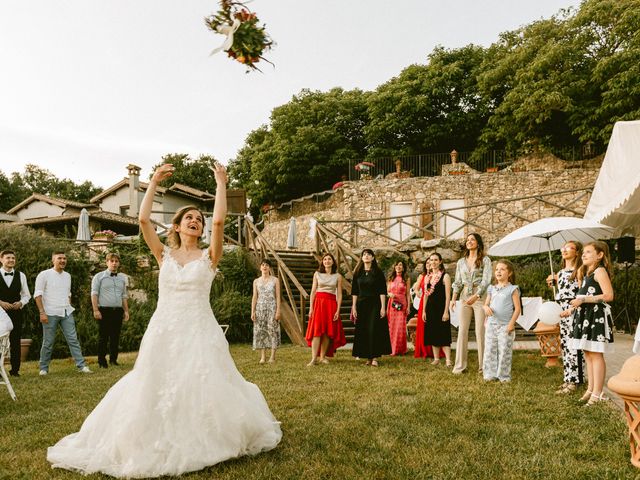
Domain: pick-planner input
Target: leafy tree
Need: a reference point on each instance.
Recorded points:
(429, 108)
(306, 147)
(195, 173)
(35, 179)
(12, 191)
(565, 80)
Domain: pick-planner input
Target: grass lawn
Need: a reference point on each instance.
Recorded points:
(403, 420)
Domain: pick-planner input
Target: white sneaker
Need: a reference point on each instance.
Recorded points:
(43, 373)
(84, 369)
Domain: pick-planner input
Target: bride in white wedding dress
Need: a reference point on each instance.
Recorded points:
(184, 406)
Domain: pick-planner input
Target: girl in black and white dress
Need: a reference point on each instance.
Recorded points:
(593, 323)
(567, 282)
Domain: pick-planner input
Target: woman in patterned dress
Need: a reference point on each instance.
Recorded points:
(265, 312)
(397, 308)
(593, 324)
(568, 285)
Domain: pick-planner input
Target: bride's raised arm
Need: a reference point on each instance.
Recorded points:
(219, 214)
(144, 217)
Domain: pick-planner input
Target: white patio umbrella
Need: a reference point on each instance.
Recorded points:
(84, 234)
(291, 237)
(549, 234)
(206, 234)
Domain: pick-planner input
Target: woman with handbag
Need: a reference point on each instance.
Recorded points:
(368, 309)
(397, 307)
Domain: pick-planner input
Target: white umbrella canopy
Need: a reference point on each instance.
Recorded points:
(549, 234)
(616, 195)
(84, 234)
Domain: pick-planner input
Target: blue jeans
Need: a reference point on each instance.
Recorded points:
(68, 326)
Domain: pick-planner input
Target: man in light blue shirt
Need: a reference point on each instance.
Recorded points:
(110, 308)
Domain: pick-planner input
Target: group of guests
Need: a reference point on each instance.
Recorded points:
(380, 307)
(52, 295)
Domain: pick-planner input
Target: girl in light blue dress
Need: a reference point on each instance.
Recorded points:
(503, 307)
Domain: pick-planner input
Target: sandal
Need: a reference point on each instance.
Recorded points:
(596, 399)
(374, 363)
(324, 361)
(312, 363)
(566, 388)
(435, 362)
(368, 364)
(587, 396)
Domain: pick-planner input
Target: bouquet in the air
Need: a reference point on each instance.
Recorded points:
(246, 39)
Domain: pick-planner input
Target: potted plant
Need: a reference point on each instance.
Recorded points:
(105, 235)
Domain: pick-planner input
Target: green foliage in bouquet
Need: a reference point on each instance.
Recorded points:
(250, 39)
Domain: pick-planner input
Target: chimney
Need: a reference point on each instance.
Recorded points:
(134, 189)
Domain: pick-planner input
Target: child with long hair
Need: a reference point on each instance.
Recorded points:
(567, 282)
(593, 324)
(502, 307)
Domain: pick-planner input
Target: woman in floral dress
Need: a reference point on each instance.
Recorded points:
(397, 308)
(265, 312)
(568, 285)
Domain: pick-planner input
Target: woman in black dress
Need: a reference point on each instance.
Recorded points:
(437, 330)
(369, 291)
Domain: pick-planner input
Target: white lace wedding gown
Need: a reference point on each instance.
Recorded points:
(184, 405)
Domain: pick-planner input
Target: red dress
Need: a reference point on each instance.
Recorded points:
(321, 321)
(398, 318)
(419, 349)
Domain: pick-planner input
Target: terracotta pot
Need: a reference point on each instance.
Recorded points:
(25, 344)
(549, 339)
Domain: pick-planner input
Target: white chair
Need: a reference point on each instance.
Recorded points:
(4, 350)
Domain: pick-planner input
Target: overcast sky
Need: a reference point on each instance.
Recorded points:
(89, 86)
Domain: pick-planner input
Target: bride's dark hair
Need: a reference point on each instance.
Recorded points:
(173, 238)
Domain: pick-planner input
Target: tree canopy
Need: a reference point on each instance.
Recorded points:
(19, 186)
(557, 82)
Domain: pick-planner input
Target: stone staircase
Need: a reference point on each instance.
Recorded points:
(303, 264)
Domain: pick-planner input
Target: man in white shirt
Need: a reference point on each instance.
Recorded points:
(14, 295)
(53, 298)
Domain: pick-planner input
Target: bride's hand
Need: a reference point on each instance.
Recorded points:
(219, 172)
(162, 172)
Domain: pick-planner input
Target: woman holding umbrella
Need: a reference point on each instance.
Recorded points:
(568, 284)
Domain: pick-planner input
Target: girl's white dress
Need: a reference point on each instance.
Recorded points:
(184, 405)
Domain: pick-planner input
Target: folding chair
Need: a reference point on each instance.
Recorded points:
(4, 350)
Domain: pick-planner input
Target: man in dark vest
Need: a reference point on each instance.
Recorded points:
(14, 294)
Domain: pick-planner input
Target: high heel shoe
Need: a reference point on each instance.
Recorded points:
(587, 396)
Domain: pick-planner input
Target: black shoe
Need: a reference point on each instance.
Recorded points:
(115, 364)
(102, 363)
(14, 374)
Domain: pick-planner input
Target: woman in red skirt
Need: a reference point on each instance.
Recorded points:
(397, 308)
(324, 331)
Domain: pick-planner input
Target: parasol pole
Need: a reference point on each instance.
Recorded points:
(553, 285)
